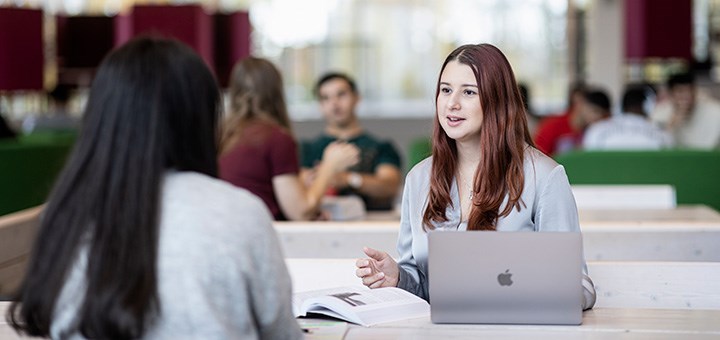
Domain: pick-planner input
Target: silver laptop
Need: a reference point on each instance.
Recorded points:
(505, 277)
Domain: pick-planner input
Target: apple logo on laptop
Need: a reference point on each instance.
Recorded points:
(505, 279)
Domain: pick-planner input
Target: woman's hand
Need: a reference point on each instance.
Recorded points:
(379, 270)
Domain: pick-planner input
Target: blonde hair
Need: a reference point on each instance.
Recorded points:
(256, 94)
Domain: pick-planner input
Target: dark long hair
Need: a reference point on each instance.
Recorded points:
(256, 94)
(503, 138)
(153, 106)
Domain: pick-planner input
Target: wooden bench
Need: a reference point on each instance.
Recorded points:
(664, 285)
(17, 234)
(682, 234)
(624, 196)
(692, 285)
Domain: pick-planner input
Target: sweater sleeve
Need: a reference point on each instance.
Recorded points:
(270, 285)
(557, 211)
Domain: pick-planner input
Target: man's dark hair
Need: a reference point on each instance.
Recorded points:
(598, 98)
(634, 98)
(575, 87)
(335, 75)
(685, 78)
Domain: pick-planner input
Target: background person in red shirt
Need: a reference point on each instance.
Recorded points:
(563, 132)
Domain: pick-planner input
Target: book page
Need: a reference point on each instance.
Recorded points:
(361, 305)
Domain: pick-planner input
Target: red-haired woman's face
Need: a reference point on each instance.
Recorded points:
(458, 103)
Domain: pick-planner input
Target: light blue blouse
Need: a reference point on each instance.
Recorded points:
(549, 206)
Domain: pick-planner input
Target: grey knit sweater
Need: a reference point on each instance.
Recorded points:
(221, 273)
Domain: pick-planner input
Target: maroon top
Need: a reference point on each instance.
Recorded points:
(263, 151)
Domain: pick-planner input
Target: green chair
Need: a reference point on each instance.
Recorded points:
(695, 174)
(28, 171)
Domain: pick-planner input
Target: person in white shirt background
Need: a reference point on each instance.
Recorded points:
(631, 129)
(57, 118)
(693, 118)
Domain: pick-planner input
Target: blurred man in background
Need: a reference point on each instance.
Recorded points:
(691, 118)
(376, 178)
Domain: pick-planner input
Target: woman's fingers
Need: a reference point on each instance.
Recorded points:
(374, 254)
(372, 279)
(363, 272)
(368, 270)
(377, 284)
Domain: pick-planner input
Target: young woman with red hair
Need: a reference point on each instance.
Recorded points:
(484, 173)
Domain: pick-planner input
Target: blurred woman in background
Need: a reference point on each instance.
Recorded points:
(259, 153)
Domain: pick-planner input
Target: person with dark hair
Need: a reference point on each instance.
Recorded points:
(562, 133)
(259, 153)
(484, 173)
(5, 131)
(138, 239)
(630, 130)
(532, 119)
(376, 178)
(691, 118)
(599, 104)
(595, 107)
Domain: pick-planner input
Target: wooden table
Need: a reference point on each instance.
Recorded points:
(600, 323)
(605, 323)
(687, 213)
(697, 216)
(597, 324)
(675, 285)
(640, 284)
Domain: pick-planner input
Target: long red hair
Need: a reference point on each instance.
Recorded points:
(504, 136)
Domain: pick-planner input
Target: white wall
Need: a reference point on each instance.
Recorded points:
(605, 44)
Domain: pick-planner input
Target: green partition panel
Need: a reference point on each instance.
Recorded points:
(695, 174)
(49, 137)
(419, 149)
(28, 172)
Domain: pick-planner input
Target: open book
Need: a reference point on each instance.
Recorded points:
(361, 305)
